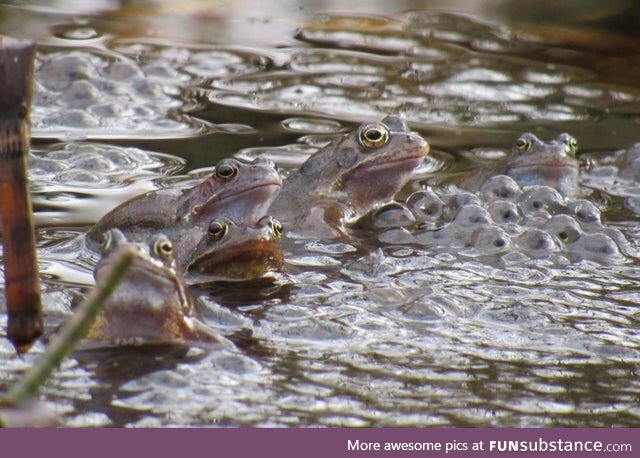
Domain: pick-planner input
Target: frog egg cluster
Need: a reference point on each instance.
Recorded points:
(502, 219)
(82, 93)
(97, 165)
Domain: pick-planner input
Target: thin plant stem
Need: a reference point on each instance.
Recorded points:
(72, 331)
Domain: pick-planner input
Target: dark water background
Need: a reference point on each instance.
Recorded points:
(132, 96)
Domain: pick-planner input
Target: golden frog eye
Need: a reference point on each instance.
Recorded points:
(523, 144)
(162, 247)
(570, 142)
(106, 241)
(374, 136)
(226, 171)
(276, 227)
(218, 229)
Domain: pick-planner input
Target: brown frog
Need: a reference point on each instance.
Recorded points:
(152, 303)
(533, 162)
(346, 179)
(241, 192)
(230, 252)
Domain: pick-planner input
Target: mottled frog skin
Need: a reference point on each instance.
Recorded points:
(533, 162)
(152, 303)
(238, 191)
(351, 176)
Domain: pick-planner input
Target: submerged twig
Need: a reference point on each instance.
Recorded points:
(22, 284)
(75, 329)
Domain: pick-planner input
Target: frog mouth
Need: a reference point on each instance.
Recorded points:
(410, 157)
(246, 261)
(408, 162)
(555, 161)
(155, 273)
(380, 180)
(544, 167)
(142, 265)
(142, 274)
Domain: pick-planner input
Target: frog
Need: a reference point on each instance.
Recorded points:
(235, 190)
(533, 162)
(348, 178)
(152, 303)
(232, 252)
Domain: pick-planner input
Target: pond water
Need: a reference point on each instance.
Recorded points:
(134, 96)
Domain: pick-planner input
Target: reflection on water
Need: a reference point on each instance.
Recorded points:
(385, 329)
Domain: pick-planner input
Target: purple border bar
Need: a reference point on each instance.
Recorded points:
(309, 443)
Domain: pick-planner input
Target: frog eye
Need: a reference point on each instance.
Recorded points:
(570, 142)
(226, 171)
(276, 227)
(374, 136)
(106, 241)
(573, 145)
(111, 239)
(523, 144)
(162, 247)
(218, 229)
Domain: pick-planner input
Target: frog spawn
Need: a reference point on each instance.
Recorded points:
(86, 164)
(507, 221)
(83, 93)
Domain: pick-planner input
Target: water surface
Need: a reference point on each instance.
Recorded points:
(367, 333)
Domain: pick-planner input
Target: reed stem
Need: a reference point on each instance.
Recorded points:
(72, 331)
